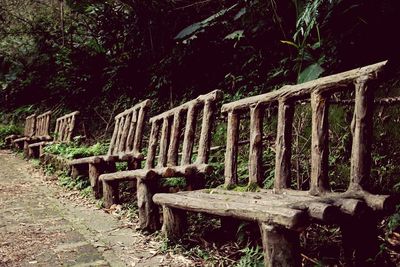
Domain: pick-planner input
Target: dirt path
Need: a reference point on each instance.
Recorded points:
(40, 225)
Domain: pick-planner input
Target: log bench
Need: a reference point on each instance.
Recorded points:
(29, 130)
(283, 213)
(41, 133)
(165, 136)
(125, 146)
(63, 133)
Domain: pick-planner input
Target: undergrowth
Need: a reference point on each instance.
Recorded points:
(6, 130)
(74, 150)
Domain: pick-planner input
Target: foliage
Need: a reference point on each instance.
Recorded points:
(73, 150)
(6, 130)
(252, 256)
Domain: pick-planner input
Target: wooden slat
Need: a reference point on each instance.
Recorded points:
(151, 151)
(283, 145)
(139, 127)
(190, 130)
(362, 135)
(175, 135)
(125, 129)
(119, 134)
(232, 138)
(255, 150)
(131, 134)
(205, 135)
(319, 144)
(162, 158)
(114, 136)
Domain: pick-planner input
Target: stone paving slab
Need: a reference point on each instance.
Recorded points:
(40, 228)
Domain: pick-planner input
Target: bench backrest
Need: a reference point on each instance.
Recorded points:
(30, 123)
(43, 124)
(170, 124)
(127, 135)
(65, 126)
(318, 91)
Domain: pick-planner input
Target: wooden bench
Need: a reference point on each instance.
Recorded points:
(282, 213)
(165, 135)
(41, 133)
(125, 146)
(63, 133)
(29, 130)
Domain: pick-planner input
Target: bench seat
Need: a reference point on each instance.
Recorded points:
(107, 158)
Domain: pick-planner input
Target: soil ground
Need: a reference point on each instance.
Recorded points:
(42, 224)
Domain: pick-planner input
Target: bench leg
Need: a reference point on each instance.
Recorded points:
(174, 222)
(95, 170)
(110, 193)
(281, 246)
(77, 170)
(26, 149)
(360, 241)
(148, 211)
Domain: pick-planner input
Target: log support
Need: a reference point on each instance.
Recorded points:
(174, 223)
(149, 219)
(281, 246)
(319, 144)
(283, 145)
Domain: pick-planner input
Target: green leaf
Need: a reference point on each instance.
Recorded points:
(310, 73)
(236, 35)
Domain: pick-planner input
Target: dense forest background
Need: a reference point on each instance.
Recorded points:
(98, 56)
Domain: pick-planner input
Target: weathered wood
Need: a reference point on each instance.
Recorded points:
(190, 130)
(110, 193)
(362, 133)
(175, 136)
(137, 142)
(326, 84)
(114, 137)
(281, 246)
(288, 217)
(152, 147)
(119, 135)
(205, 135)
(95, 171)
(232, 138)
(255, 150)
(212, 96)
(319, 144)
(283, 146)
(174, 223)
(132, 129)
(125, 132)
(162, 157)
(149, 218)
(145, 174)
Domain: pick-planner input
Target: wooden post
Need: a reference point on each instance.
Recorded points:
(110, 193)
(149, 218)
(205, 135)
(188, 140)
(137, 142)
(232, 139)
(281, 246)
(283, 147)
(152, 147)
(362, 133)
(114, 136)
(131, 133)
(255, 153)
(162, 158)
(125, 129)
(94, 172)
(174, 222)
(319, 144)
(175, 134)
